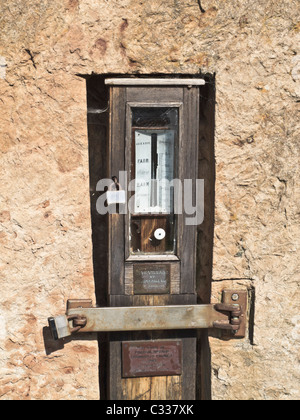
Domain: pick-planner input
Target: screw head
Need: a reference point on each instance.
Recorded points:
(235, 297)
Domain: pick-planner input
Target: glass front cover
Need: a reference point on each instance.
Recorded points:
(153, 167)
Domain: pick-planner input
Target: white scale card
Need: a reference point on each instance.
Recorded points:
(164, 171)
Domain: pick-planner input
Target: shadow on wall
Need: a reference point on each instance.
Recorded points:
(52, 346)
(205, 237)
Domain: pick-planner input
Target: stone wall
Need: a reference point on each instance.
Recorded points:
(45, 230)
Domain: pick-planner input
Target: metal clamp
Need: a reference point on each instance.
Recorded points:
(234, 321)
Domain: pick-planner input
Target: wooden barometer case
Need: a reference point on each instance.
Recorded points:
(154, 132)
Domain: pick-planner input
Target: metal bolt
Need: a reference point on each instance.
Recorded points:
(235, 297)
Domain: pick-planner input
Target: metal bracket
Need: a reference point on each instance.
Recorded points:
(233, 322)
(240, 297)
(81, 316)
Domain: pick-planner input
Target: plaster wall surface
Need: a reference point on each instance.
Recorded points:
(45, 233)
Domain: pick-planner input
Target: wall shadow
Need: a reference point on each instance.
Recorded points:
(98, 130)
(206, 171)
(52, 346)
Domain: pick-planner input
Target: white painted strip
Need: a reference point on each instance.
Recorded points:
(154, 82)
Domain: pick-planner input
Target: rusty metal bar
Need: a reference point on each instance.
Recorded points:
(82, 317)
(150, 318)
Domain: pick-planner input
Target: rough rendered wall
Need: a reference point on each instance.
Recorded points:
(45, 237)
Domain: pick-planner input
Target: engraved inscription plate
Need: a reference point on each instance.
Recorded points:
(151, 279)
(151, 358)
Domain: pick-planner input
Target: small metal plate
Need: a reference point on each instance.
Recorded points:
(239, 297)
(79, 303)
(151, 358)
(151, 279)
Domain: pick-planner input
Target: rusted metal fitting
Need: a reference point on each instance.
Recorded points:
(79, 322)
(234, 320)
(234, 309)
(224, 325)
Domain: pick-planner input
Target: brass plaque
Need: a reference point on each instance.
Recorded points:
(151, 358)
(151, 279)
